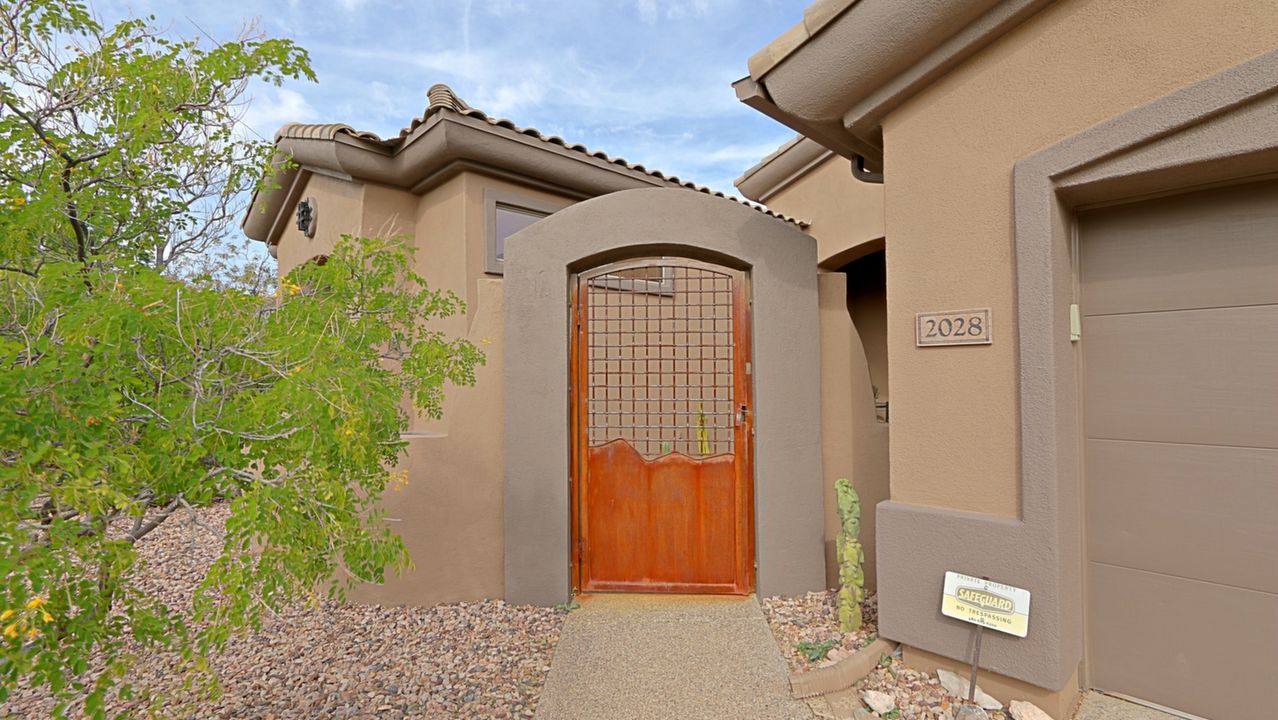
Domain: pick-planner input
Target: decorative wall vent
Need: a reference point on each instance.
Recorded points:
(307, 217)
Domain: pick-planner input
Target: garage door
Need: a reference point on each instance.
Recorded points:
(1180, 344)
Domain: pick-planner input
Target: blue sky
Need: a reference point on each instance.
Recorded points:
(644, 79)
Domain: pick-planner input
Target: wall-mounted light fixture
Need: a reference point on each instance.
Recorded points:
(307, 216)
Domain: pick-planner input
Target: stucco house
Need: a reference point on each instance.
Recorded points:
(700, 350)
(675, 378)
(1099, 176)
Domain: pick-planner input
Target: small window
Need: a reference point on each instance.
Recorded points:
(506, 214)
(511, 220)
(653, 279)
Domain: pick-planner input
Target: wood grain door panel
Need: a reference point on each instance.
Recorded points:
(662, 524)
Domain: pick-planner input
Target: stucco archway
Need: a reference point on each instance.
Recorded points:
(781, 261)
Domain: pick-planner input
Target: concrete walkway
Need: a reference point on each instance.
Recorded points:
(1096, 706)
(653, 657)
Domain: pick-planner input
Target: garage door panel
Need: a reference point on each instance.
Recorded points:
(1199, 647)
(1186, 510)
(1167, 254)
(1180, 402)
(1200, 376)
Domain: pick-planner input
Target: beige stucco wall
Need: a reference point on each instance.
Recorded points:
(340, 210)
(451, 509)
(345, 207)
(949, 156)
(867, 304)
(476, 222)
(854, 444)
(843, 213)
(846, 218)
(1028, 101)
(449, 512)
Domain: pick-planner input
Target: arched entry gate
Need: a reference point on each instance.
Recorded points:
(778, 507)
(662, 428)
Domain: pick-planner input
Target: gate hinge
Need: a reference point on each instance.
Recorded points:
(1075, 323)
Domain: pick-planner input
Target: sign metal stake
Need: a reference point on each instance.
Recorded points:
(976, 659)
(985, 604)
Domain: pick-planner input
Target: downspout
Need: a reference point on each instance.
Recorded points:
(860, 173)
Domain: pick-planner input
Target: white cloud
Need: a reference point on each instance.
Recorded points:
(645, 79)
(749, 154)
(505, 8)
(648, 10)
(268, 111)
(507, 99)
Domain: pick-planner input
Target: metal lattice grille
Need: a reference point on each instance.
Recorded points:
(660, 364)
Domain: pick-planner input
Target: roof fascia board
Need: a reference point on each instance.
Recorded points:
(815, 16)
(775, 172)
(829, 134)
(289, 198)
(885, 51)
(433, 146)
(457, 167)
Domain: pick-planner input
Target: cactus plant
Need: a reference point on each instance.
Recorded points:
(850, 556)
(703, 431)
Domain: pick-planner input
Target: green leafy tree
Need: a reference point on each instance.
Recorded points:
(122, 140)
(130, 395)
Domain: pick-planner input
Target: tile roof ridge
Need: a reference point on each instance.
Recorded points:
(441, 97)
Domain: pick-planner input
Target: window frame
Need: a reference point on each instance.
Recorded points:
(664, 286)
(516, 202)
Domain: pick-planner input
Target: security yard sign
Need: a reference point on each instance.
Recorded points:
(986, 603)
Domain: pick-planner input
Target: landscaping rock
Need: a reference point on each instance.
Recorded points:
(971, 712)
(879, 702)
(958, 686)
(814, 618)
(484, 659)
(1022, 710)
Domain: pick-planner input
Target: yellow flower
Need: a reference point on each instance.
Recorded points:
(19, 201)
(35, 602)
(32, 634)
(11, 630)
(6, 615)
(45, 616)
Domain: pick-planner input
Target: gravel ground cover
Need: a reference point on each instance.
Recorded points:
(814, 618)
(484, 659)
(918, 695)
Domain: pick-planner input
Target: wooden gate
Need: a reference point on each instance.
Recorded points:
(662, 441)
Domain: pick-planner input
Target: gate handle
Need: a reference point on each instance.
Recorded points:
(742, 414)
